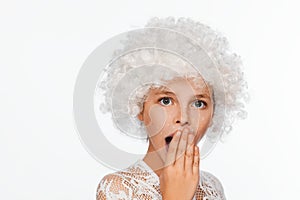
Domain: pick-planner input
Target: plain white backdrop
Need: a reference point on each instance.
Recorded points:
(43, 45)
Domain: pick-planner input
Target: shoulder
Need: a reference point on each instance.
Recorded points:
(114, 186)
(208, 181)
(119, 185)
(113, 179)
(130, 183)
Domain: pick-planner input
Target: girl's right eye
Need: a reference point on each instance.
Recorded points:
(165, 101)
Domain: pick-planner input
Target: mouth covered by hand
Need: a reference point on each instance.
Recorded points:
(169, 138)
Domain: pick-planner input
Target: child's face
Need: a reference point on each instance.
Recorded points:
(179, 104)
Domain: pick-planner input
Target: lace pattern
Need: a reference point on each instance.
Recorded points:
(139, 182)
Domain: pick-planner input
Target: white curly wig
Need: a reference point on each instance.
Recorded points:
(195, 49)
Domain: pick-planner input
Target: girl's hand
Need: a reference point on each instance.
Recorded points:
(180, 176)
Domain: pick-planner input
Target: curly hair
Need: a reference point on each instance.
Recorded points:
(153, 60)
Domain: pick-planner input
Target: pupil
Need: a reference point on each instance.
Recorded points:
(166, 101)
(198, 103)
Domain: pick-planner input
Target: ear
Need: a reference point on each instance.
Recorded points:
(211, 120)
(210, 123)
(140, 116)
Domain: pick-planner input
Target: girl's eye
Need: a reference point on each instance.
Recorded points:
(165, 101)
(199, 104)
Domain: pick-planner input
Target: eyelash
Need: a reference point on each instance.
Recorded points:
(203, 102)
(164, 98)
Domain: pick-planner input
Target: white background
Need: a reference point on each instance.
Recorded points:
(43, 45)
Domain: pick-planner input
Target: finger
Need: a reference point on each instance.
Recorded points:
(196, 161)
(189, 154)
(181, 149)
(171, 154)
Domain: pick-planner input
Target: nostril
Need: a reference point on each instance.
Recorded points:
(178, 122)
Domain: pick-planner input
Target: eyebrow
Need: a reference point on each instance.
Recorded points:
(171, 93)
(164, 92)
(202, 96)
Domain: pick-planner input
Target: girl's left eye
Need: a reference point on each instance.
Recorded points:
(165, 101)
(199, 104)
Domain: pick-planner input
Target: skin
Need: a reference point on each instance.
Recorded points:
(183, 108)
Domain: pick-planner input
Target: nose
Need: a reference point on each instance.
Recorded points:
(182, 117)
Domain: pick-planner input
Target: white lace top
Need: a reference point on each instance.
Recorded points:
(140, 182)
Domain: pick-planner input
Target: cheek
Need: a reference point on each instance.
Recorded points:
(200, 121)
(156, 119)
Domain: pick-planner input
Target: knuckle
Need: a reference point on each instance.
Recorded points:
(196, 161)
(185, 174)
(188, 154)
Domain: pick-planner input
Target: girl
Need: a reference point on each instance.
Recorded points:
(179, 99)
